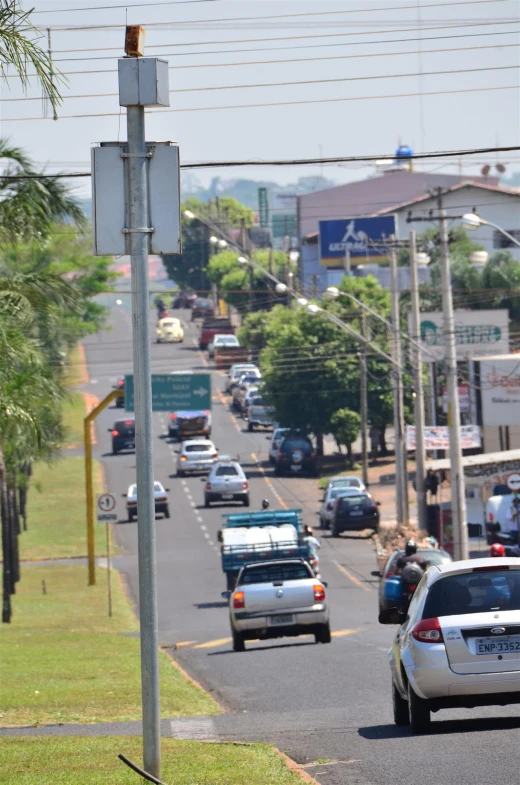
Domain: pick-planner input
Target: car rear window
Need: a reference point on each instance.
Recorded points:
(352, 483)
(296, 444)
(203, 304)
(226, 471)
(358, 500)
(474, 592)
(158, 487)
(275, 572)
(197, 448)
(125, 424)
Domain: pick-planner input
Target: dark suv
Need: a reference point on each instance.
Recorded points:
(123, 435)
(296, 455)
(355, 511)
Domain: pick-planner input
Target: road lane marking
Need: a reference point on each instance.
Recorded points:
(183, 643)
(351, 577)
(213, 644)
(342, 633)
(211, 543)
(206, 535)
(204, 528)
(269, 482)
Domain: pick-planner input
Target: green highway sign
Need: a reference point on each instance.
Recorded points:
(173, 392)
(263, 207)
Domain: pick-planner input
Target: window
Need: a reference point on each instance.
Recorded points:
(198, 448)
(275, 572)
(296, 444)
(474, 593)
(501, 241)
(226, 471)
(158, 487)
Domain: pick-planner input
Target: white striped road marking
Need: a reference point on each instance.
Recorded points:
(204, 528)
(206, 535)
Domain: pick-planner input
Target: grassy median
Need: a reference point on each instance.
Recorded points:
(56, 511)
(74, 411)
(65, 660)
(92, 761)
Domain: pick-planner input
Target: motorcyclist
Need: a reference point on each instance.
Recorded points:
(411, 556)
(411, 567)
(497, 549)
(314, 546)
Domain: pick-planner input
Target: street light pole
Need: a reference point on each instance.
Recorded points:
(363, 401)
(458, 500)
(419, 390)
(397, 384)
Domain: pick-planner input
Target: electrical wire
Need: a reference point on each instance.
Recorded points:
(124, 5)
(273, 103)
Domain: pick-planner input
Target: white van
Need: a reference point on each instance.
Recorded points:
(498, 525)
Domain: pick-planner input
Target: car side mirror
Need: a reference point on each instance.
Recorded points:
(220, 536)
(225, 595)
(391, 616)
(325, 583)
(177, 452)
(124, 495)
(167, 489)
(109, 430)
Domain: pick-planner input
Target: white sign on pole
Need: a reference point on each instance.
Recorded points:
(500, 389)
(464, 399)
(476, 332)
(105, 507)
(437, 437)
(513, 482)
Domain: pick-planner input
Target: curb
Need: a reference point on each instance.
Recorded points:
(293, 766)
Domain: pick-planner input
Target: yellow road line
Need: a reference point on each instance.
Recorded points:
(351, 577)
(342, 633)
(184, 643)
(213, 644)
(268, 481)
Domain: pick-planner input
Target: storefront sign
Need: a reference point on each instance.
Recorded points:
(500, 390)
(361, 238)
(437, 437)
(476, 333)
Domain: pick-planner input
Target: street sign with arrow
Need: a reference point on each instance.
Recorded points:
(174, 392)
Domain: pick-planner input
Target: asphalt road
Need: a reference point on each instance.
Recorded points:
(326, 703)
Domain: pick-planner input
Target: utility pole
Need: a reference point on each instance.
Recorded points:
(245, 245)
(419, 390)
(458, 500)
(270, 268)
(346, 262)
(364, 403)
(397, 384)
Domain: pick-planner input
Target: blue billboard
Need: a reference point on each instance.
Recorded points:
(361, 237)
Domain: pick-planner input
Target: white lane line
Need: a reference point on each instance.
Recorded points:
(203, 527)
(199, 519)
(193, 504)
(210, 542)
(206, 535)
(183, 482)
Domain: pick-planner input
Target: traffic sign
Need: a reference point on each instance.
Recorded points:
(513, 482)
(174, 392)
(105, 506)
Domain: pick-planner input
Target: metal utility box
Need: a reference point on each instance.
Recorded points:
(143, 81)
(109, 199)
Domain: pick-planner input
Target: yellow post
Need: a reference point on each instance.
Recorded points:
(89, 486)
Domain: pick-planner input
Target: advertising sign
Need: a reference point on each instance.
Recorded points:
(476, 332)
(361, 237)
(464, 399)
(500, 390)
(437, 437)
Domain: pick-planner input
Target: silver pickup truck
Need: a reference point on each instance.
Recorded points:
(274, 599)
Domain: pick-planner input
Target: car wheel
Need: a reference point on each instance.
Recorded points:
(334, 531)
(130, 517)
(207, 502)
(238, 641)
(246, 502)
(277, 472)
(179, 473)
(323, 635)
(322, 523)
(250, 427)
(166, 512)
(418, 713)
(400, 707)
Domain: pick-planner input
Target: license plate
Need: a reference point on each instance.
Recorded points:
(282, 619)
(227, 495)
(356, 512)
(295, 467)
(129, 444)
(509, 643)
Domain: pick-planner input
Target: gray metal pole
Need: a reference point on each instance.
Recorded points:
(396, 382)
(458, 500)
(138, 219)
(420, 455)
(364, 406)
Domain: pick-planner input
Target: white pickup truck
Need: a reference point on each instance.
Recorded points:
(274, 599)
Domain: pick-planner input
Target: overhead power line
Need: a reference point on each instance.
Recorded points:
(293, 161)
(124, 5)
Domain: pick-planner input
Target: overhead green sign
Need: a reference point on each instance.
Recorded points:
(173, 392)
(263, 207)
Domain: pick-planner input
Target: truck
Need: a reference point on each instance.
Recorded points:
(261, 536)
(226, 356)
(214, 326)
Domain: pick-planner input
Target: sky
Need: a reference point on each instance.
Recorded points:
(366, 68)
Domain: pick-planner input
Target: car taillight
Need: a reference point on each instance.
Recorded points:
(183, 457)
(319, 592)
(329, 506)
(121, 384)
(215, 455)
(208, 486)
(245, 486)
(115, 433)
(239, 599)
(428, 631)
(173, 416)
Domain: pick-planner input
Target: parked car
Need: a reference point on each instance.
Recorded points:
(235, 372)
(328, 501)
(275, 599)
(123, 435)
(432, 556)
(458, 645)
(259, 416)
(252, 393)
(276, 439)
(196, 455)
(226, 482)
(346, 481)
(120, 387)
(201, 308)
(220, 341)
(160, 496)
(242, 386)
(296, 455)
(354, 510)
(169, 330)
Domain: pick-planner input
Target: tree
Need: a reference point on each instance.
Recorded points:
(345, 426)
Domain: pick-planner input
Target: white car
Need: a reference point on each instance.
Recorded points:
(278, 598)
(220, 341)
(346, 481)
(161, 500)
(276, 439)
(459, 642)
(327, 505)
(235, 372)
(196, 455)
(226, 482)
(250, 395)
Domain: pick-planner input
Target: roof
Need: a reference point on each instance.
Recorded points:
(476, 460)
(452, 189)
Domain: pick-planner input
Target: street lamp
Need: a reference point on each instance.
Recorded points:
(213, 240)
(313, 308)
(242, 260)
(332, 291)
(281, 288)
(189, 215)
(473, 221)
(222, 243)
(302, 302)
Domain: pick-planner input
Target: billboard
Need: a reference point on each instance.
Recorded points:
(437, 437)
(358, 236)
(500, 390)
(476, 332)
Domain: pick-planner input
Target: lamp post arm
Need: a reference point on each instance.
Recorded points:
(502, 231)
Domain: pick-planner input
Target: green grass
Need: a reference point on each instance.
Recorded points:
(56, 517)
(73, 415)
(67, 661)
(93, 761)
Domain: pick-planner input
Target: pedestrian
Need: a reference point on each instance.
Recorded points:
(431, 483)
(375, 439)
